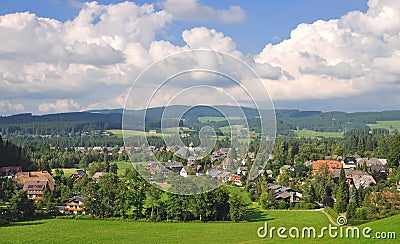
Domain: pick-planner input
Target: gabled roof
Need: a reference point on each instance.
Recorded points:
(36, 187)
(332, 164)
(75, 198)
(214, 172)
(97, 175)
(22, 178)
(349, 172)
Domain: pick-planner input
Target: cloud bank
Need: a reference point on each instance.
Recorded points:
(91, 60)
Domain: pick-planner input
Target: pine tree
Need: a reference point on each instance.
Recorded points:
(342, 195)
(351, 209)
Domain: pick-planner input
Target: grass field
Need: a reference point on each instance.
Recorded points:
(118, 133)
(240, 192)
(206, 119)
(313, 134)
(389, 125)
(122, 166)
(95, 231)
(167, 131)
(235, 129)
(67, 171)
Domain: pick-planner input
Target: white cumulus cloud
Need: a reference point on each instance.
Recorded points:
(61, 105)
(7, 107)
(193, 10)
(356, 54)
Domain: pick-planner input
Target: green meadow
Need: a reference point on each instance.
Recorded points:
(389, 125)
(167, 131)
(312, 134)
(207, 119)
(67, 171)
(102, 231)
(122, 166)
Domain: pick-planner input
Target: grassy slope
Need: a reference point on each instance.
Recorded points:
(310, 134)
(82, 231)
(122, 166)
(79, 231)
(67, 171)
(389, 125)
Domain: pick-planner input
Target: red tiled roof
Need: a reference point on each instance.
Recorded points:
(332, 164)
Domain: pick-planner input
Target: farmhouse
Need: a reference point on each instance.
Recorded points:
(34, 183)
(75, 205)
(173, 165)
(285, 194)
(78, 174)
(349, 163)
(236, 179)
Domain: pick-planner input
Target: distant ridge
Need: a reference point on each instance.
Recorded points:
(287, 119)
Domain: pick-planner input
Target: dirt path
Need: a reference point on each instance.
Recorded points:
(329, 217)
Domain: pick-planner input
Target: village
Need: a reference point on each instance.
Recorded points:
(225, 166)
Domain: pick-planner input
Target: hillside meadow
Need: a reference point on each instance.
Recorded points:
(83, 231)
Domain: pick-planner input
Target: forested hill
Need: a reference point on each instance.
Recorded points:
(332, 121)
(59, 123)
(287, 120)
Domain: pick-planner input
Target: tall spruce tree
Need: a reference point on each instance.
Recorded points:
(342, 194)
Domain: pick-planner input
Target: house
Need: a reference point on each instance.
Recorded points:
(349, 163)
(184, 171)
(224, 176)
(34, 183)
(173, 165)
(375, 166)
(78, 174)
(355, 177)
(226, 163)
(332, 164)
(229, 163)
(286, 194)
(9, 172)
(34, 189)
(236, 179)
(153, 166)
(251, 155)
(242, 170)
(97, 149)
(191, 160)
(75, 205)
(363, 180)
(213, 172)
(96, 177)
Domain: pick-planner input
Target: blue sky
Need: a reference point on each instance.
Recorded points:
(326, 55)
(267, 21)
